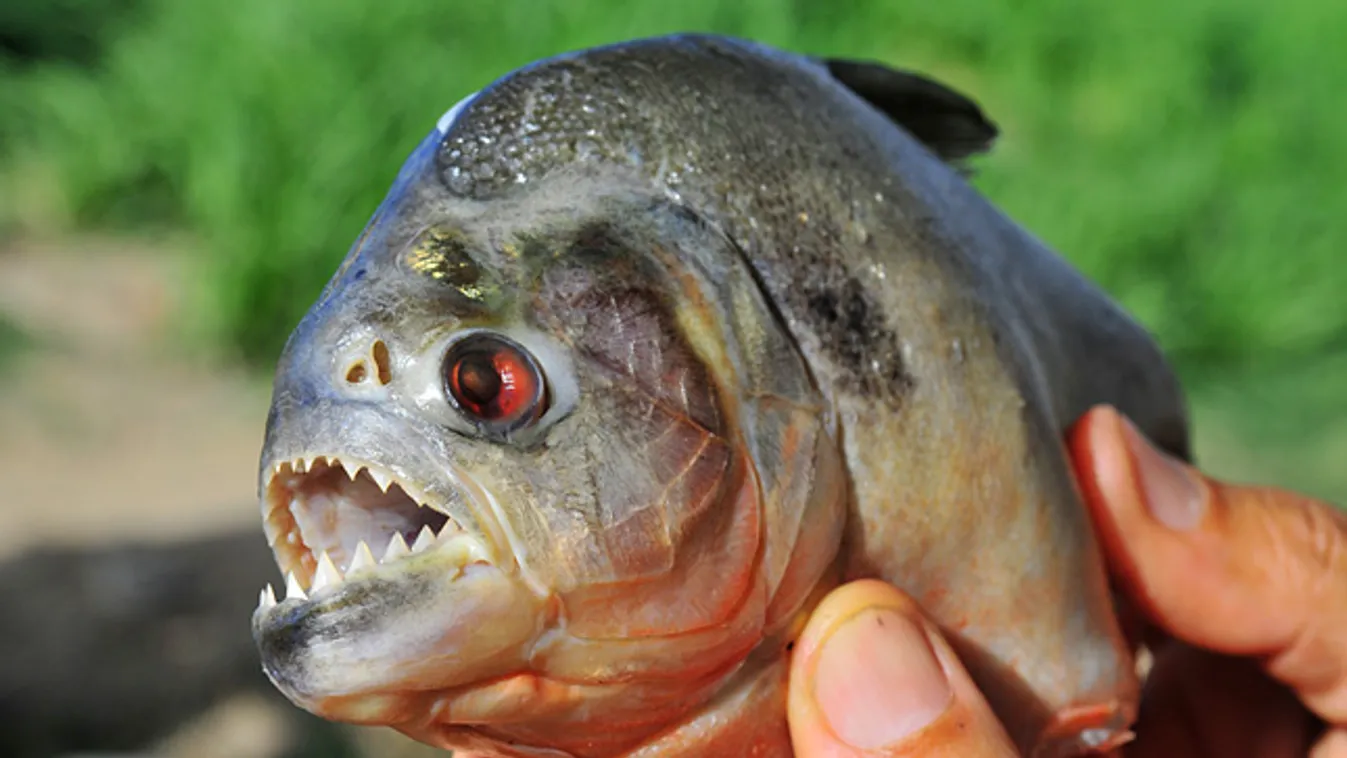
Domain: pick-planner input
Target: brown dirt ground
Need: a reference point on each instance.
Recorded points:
(102, 436)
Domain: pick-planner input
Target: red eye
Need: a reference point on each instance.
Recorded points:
(495, 382)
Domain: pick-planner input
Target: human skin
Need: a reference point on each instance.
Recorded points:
(1240, 591)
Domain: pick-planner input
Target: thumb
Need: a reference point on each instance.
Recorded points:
(870, 676)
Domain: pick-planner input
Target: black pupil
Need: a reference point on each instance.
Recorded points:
(478, 379)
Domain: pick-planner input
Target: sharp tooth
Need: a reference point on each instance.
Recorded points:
(300, 466)
(423, 540)
(397, 548)
(272, 531)
(292, 588)
(380, 478)
(363, 559)
(351, 469)
(449, 529)
(266, 599)
(327, 573)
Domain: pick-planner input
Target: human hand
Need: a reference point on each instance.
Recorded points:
(1243, 596)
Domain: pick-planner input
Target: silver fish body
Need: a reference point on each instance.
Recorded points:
(650, 345)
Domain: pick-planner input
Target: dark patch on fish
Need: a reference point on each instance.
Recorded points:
(856, 337)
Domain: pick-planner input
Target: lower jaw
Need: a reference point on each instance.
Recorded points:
(748, 718)
(397, 639)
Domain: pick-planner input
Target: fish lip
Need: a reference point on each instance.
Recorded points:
(298, 640)
(283, 476)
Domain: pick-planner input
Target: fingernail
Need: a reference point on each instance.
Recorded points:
(878, 680)
(1173, 495)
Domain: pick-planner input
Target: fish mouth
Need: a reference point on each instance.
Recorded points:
(330, 519)
(387, 592)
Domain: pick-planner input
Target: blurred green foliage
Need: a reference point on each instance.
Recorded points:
(51, 32)
(13, 341)
(1189, 156)
(54, 30)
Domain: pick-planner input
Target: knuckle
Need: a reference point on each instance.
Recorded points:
(1313, 537)
(1303, 543)
(1323, 546)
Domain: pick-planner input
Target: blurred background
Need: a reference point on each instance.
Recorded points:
(178, 178)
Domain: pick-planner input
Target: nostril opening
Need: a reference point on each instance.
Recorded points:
(356, 373)
(379, 352)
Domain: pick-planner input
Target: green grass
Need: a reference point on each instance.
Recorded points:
(1188, 156)
(1277, 425)
(13, 343)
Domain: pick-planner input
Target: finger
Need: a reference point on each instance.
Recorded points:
(1200, 703)
(870, 676)
(1332, 745)
(1244, 571)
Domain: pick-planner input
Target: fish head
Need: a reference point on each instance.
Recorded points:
(535, 470)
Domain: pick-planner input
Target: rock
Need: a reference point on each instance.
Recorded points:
(116, 648)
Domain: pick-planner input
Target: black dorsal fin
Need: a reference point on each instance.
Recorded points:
(950, 124)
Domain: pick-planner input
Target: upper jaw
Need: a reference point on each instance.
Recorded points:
(333, 517)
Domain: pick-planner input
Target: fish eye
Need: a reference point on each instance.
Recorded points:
(495, 382)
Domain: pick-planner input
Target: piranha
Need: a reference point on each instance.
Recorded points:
(648, 347)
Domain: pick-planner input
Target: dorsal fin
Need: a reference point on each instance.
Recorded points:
(950, 124)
